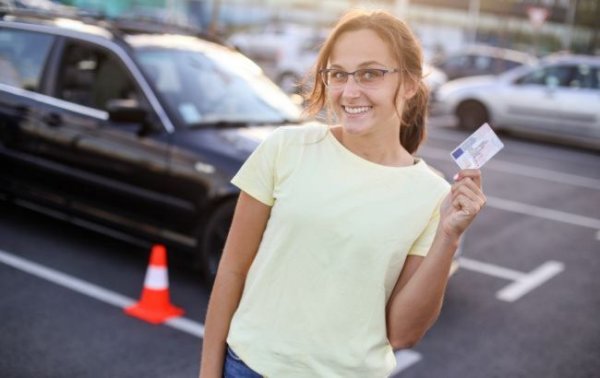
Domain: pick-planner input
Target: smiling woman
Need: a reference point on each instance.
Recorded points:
(342, 239)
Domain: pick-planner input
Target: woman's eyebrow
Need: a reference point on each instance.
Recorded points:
(370, 63)
(362, 65)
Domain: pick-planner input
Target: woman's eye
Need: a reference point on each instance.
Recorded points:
(338, 75)
(370, 75)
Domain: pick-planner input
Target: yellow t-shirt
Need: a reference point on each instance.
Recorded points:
(339, 232)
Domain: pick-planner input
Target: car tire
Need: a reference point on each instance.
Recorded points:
(471, 115)
(212, 240)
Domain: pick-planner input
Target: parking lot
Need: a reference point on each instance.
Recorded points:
(523, 304)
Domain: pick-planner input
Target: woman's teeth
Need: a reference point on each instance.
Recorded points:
(356, 110)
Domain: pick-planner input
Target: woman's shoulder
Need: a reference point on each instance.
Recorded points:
(306, 132)
(434, 177)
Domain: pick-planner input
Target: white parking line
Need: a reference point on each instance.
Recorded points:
(489, 269)
(530, 281)
(522, 170)
(91, 290)
(405, 359)
(187, 325)
(542, 212)
(523, 282)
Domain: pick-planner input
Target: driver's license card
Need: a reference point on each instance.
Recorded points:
(478, 148)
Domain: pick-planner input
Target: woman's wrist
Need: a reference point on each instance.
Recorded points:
(447, 240)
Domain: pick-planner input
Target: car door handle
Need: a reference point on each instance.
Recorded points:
(52, 119)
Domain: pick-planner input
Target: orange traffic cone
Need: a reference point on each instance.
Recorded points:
(154, 305)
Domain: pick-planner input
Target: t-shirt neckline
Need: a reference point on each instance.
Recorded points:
(419, 162)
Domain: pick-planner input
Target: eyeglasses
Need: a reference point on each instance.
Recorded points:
(365, 77)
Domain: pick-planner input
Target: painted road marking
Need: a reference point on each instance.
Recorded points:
(489, 269)
(404, 358)
(107, 296)
(530, 281)
(522, 170)
(531, 210)
(523, 282)
(542, 212)
(187, 325)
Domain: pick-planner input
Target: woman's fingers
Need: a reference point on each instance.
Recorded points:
(470, 179)
(473, 174)
(469, 189)
(467, 205)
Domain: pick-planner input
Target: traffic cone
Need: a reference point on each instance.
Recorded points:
(154, 305)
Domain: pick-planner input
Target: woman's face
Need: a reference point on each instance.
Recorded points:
(367, 108)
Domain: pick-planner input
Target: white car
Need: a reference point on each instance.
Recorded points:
(557, 99)
(433, 77)
(478, 60)
(286, 53)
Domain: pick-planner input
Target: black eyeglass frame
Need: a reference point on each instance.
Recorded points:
(323, 73)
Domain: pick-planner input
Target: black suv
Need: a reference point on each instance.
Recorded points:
(131, 130)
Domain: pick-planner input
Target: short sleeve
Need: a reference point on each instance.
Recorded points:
(257, 175)
(423, 243)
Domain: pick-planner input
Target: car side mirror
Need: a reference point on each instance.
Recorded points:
(126, 111)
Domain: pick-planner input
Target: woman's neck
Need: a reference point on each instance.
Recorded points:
(379, 148)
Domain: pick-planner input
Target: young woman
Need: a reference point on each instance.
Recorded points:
(342, 240)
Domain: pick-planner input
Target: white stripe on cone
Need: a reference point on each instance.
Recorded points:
(156, 278)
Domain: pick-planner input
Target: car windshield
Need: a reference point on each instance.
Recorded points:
(215, 88)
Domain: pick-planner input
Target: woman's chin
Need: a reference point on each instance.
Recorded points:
(355, 128)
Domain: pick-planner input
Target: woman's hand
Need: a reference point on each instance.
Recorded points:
(462, 204)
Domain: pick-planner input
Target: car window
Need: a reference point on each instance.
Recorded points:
(510, 64)
(482, 63)
(584, 76)
(91, 76)
(203, 87)
(558, 75)
(22, 58)
(458, 61)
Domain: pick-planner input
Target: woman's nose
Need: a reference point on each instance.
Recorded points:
(351, 87)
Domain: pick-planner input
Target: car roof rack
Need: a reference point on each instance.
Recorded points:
(39, 14)
(141, 25)
(119, 26)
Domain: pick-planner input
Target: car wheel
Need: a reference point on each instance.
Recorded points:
(471, 115)
(212, 240)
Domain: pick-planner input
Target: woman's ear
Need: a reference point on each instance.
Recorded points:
(409, 89)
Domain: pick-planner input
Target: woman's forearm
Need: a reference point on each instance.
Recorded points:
(248, 225)
(413, 309)
(225, 297)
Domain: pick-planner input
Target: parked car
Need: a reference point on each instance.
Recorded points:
(558, 99)
(482, 60)
(129, 132)
(433, 77)
(285, 52)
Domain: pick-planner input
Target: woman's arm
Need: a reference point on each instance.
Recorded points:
(416, 300)
(249, 222)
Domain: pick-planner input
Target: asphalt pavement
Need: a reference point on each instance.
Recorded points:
(524, 303)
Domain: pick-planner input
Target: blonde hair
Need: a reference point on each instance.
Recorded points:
(406, 50)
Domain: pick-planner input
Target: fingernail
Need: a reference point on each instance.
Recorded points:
(455, 177)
